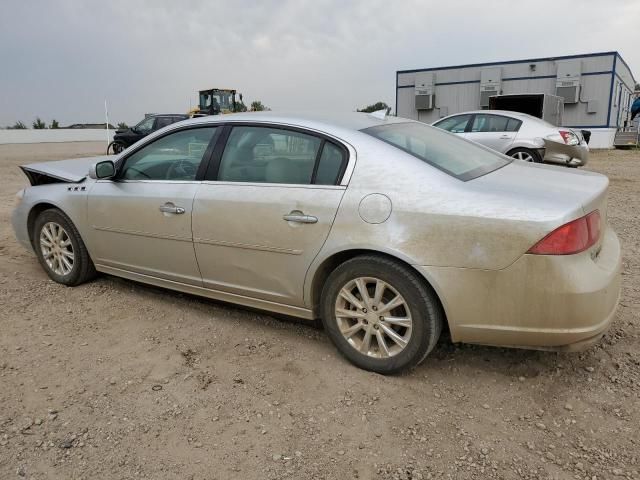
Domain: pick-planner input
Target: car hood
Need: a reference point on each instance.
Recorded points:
(73, 170)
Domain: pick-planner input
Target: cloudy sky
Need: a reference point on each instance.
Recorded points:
(61, 58)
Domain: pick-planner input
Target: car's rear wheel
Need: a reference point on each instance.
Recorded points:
(380, 314)
(60, 249)
(525, 154)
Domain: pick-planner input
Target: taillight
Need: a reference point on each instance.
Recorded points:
(569, 138)
(573, 237)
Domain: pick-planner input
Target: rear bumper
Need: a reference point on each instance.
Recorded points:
(540, 302)
(572, 155)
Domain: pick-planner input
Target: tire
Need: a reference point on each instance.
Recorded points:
(50, 244)
(525, 154)
(421, 314)
(116, 147)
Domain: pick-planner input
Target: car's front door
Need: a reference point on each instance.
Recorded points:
(267, 210)
(494, 131)
(141, 220)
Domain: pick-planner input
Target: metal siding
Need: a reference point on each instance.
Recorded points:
(511, 62)
(406, 103)
(624, 73)
(458, 89)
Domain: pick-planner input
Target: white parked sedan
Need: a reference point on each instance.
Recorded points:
(520, 136)
(389, 230)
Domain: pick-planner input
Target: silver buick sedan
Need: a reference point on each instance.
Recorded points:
(388, 230)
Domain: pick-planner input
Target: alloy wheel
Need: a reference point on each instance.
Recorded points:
(523, 156)
(56, 248)
(373, 317)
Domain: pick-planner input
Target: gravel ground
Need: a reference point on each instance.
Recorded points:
(115, 379)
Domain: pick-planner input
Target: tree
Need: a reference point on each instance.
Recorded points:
(122, 126)
(54, 124)
(18, 126)
(240, 106)
(39, 124)
(257, 106)
(375, 107)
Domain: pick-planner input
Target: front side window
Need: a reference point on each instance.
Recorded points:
(269, 155)
(453, 155)
(176, 156)
(455, 124)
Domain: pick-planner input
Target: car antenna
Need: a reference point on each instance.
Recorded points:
(380, 114)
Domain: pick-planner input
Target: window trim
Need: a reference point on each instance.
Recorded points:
(213, 169)
(203, 163)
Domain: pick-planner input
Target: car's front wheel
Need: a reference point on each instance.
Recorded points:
(380, 314)
(60, 249)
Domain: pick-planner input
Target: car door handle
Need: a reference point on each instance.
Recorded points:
(299, 217)
(171, 208)
(506, 136)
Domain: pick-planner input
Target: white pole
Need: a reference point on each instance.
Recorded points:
(106, 116)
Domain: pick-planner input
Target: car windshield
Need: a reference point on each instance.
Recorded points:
(459, 158)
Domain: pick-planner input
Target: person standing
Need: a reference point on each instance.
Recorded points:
(635, 108)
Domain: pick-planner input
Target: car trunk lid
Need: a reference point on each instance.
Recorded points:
(548, 196)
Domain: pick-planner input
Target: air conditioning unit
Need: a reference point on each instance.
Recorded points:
(485, 93)
(568, 80)
(490, 82)
(424, 91)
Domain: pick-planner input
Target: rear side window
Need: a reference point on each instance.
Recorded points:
(162, 122)
(269, 155)
(489, 123)
(330, 165)
(459, 158)
(513, 125)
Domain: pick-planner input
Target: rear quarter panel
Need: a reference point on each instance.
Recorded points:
(436, 220)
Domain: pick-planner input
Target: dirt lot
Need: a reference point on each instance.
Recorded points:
(118, 380)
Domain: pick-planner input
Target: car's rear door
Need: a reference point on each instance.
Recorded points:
(494, 131)
(266, 210)
(141, 221)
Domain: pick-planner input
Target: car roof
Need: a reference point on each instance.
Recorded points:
(345, 120)
(507, 113)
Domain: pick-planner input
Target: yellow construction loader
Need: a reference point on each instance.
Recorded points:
(217, 101)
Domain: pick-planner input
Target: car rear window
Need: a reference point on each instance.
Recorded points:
(459, 158)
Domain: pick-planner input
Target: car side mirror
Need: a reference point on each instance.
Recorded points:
(104, 169)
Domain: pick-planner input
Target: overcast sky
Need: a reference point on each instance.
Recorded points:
(61, 58)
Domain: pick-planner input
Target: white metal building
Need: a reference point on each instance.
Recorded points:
(597, 89)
